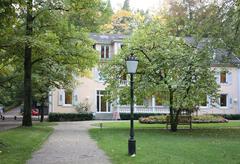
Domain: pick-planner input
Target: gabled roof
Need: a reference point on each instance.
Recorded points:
(220, 56)
(107, 38)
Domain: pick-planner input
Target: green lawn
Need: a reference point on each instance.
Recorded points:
(206, 143)
(17, 145)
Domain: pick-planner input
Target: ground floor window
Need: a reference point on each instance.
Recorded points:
(68, 97)
(103, 104)
(223, 100)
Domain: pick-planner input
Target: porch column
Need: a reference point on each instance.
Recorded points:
(238, 88)
(153, 104)
(118, 103)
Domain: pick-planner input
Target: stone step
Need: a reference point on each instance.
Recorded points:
(103, 116)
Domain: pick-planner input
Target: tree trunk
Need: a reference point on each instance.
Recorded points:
(42, 111)
(173, 120)
(27, 119)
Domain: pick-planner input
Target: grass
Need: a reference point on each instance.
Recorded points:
(206, 143)
(17, 145)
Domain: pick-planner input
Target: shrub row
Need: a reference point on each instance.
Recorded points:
(70, 116)
(126, 116)
(195, 119)
(232, 116)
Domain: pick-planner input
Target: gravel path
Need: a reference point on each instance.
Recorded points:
(70, 143)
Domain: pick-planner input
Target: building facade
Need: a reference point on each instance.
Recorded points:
(90, 91)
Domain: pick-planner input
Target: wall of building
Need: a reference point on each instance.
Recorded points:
(231, 89)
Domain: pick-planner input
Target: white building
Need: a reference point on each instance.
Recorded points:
(91, 89)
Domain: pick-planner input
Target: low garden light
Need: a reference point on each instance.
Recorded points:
(132, 64)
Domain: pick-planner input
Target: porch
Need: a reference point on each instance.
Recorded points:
(144, 109)
(126, 109)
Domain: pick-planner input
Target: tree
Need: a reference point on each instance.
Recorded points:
(49, 75)
(174, 67)
(213, 19)
(50, 34)
(126, 5)
(125, 22)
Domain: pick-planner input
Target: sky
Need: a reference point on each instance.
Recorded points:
(137, 4)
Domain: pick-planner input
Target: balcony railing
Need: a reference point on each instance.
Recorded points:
(144, 109)
(123, 83)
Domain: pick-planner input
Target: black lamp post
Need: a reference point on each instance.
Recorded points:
(132, 64)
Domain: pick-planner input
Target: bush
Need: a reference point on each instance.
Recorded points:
(82, 107)
(161, 119)
(232, 116)
(195, 119)
(208, 119)
(70, 116)
(126, 116)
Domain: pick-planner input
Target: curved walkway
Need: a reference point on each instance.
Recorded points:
(70, 143)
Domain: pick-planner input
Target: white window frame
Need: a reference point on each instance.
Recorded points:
(229, 102)
(105, 52)
(64, 102)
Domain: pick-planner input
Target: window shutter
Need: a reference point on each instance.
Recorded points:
(61, 97)
(229, 78)
(208, 101)
(96, 74)
(75, 97)
(229, 101)
(217, 76)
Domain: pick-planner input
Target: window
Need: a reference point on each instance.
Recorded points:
(103, 105)
(102, 52)
(223, 100)
(204, 101)
(223, 77)
(94, 46)
(105, 52)
(68, 97)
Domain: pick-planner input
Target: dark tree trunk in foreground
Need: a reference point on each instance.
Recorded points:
(42, 111)
(173, 113)
(27, 119)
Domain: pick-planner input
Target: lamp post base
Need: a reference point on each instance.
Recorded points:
(131, 147)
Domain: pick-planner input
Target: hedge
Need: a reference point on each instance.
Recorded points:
(232, 116)
(70, 116)
(126, 116)
(195, 119)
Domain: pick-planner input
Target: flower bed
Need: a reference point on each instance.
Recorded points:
(195, 119)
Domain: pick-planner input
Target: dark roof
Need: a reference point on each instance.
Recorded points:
(220, 56)
(107, 38)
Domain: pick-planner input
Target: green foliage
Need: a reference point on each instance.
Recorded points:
(126, 5)
(174, 67)
(195, 119)
(70, 117)
(83, 107)
(232, 116)
(125, 22)
(59, 42)
(153, 119)
(126, 116)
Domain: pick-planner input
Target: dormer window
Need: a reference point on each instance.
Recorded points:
(105, 52)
